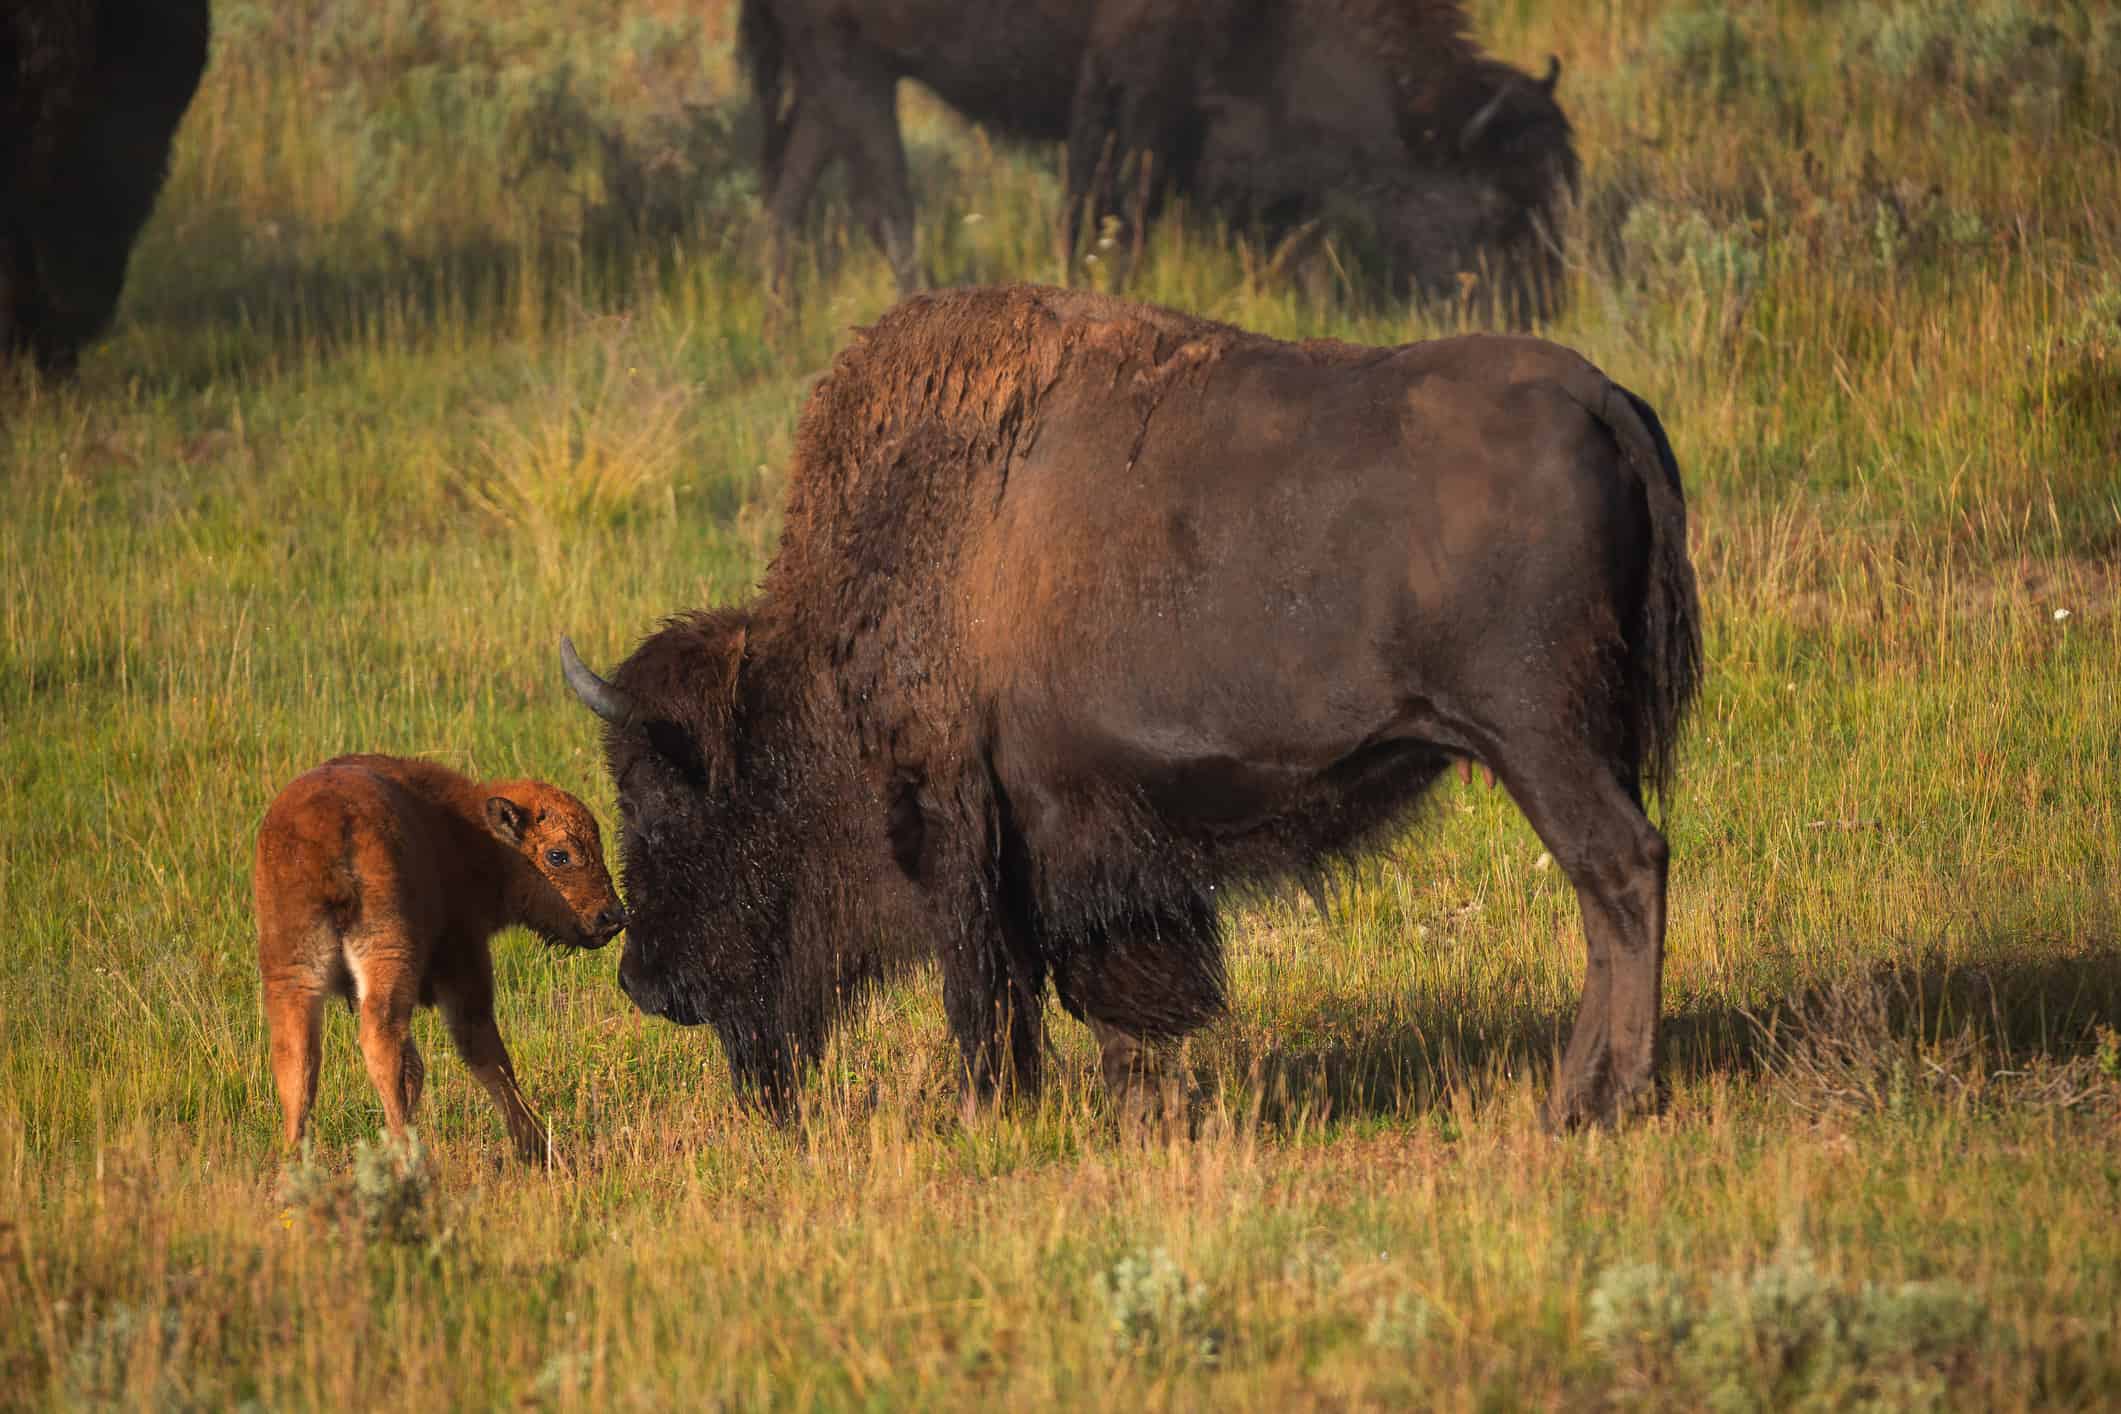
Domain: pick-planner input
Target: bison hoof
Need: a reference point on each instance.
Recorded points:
(1151, 1101)
(1163, 1113)
(535, 1150)
(1603, 1105)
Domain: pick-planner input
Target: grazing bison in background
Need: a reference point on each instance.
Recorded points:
(1087, 613)
(1382, 114)
(380, 880)
(91, 92)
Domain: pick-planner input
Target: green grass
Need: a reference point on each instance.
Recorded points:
(447, 338)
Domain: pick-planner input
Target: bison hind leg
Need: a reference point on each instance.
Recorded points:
(1588, 812)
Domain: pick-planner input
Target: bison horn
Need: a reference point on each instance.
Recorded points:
(1553, 74)
(1478, 123)
(597, 695)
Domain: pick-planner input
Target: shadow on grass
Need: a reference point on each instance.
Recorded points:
(257, 320)
(1836, 1042)
(623, 212)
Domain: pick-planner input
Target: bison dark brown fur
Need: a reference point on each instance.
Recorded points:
(91, 92)
(380, 880)
(1382, 114)
(1086, 613)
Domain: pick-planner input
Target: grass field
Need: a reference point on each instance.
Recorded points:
(447, 338)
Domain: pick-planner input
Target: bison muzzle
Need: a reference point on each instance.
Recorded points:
(1086, 614)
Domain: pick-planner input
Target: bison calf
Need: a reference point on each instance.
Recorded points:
(381, 879)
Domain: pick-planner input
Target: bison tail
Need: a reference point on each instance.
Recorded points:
(1664, 644)
(761, 50)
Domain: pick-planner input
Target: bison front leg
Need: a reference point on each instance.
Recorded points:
(810, 148)
(949, 838)
(851, 103)
(997, 1014)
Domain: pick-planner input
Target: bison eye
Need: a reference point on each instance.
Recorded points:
(557, 858)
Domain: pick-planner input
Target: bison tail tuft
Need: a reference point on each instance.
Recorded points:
(1664, 645)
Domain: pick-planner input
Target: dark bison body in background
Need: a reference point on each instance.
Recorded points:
(1382, 114)
(1087, 612)
(91, 92)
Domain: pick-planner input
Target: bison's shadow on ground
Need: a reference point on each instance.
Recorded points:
(2004, 1025)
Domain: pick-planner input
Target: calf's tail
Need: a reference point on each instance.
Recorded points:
(1664, 664)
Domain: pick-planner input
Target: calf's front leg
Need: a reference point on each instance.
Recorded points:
(467, 1007)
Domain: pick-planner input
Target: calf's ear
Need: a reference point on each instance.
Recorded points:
(506, 818)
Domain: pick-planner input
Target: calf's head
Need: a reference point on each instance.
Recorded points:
(561, 891)
(699, 817)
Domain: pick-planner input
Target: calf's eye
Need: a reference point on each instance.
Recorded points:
(557, 858)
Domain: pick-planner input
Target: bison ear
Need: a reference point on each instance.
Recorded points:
(676, 746)
(506, 818)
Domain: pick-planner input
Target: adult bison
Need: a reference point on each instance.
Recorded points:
(1383, 114)
(1086, 613)
(91, 92)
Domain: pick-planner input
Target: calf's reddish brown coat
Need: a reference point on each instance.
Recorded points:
(381, 879)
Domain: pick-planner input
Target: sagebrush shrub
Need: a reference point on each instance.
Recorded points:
(1782, 1335)
(1702, 47)
(1155, 1312)
(387, 1197)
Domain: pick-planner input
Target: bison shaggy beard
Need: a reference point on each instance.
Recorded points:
(766, 907)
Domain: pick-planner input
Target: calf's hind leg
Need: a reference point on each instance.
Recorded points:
(1595, 827)
(387, 994)
(294, 1015)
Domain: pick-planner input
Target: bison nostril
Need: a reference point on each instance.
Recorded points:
(611, 919)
